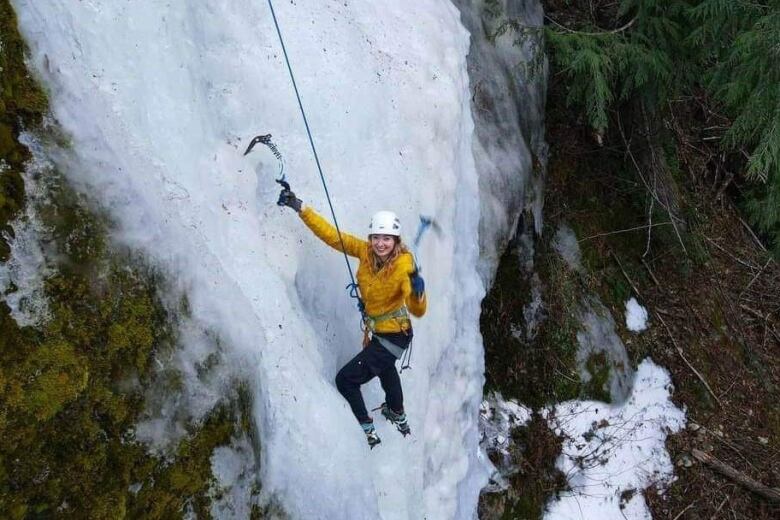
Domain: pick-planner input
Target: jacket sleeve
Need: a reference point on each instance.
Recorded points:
(326, 232)
(417, 306)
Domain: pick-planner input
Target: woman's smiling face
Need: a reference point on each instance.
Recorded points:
(382, 245)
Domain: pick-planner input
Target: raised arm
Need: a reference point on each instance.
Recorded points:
(326, 232)
(353, 246)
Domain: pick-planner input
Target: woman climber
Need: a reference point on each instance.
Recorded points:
(391, 288)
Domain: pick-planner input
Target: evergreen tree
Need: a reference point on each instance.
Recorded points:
(655, 50)
(741, 47)
(636, 59)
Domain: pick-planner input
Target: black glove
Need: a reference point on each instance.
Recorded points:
(288, 198)
(418, 284)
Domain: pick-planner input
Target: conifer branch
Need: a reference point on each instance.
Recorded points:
(598, 33)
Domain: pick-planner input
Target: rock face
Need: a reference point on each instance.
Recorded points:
(508, 77)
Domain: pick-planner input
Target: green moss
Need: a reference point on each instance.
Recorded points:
(271, 510)
(65, 419)
(20, 94)
(7, 141)
(597, 387)
(53, 376)
(166, 488)
(543, 370)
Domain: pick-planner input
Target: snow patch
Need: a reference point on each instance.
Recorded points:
(566, 245)
(612, 454)
(497, 418)
(236, 480)
(636, 316)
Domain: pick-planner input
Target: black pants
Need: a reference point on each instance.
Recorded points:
(374, 360)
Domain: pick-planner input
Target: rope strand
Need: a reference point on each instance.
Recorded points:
(354, 290)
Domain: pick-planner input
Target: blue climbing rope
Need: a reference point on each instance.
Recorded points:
(354, 291)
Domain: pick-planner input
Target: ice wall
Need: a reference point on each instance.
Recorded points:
(159, 100)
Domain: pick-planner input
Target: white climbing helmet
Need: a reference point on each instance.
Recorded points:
(385, 223)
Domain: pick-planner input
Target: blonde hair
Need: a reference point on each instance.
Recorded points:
(377, 264)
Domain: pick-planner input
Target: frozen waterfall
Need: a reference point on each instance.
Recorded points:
(158, 100)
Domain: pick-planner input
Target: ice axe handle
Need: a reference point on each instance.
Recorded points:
(425, 224)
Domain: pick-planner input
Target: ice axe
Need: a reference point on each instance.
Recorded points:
(425, 224)
(266, 140)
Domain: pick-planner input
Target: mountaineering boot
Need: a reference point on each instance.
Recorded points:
(371, 436)
(399, 419)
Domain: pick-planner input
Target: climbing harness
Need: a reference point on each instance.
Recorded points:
(401, 315)
(354, 290)
(391, 347)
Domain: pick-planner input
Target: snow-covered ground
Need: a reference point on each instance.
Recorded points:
(159, 100)
(613, 454)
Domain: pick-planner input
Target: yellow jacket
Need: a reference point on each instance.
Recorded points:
(383, 292)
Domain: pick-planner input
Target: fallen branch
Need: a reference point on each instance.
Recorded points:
(743, 262)
(647, 266)
(684, 510)
(771, 494)
(650, 228)
(715, 515)
(752, 233)
(766, 319)
(754, 279)
(625, 274)
(752, 311)
(682, 355)
(599, 33)
(623, 231)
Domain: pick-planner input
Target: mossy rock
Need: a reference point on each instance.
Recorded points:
(597, 387)
(66, 421)
(535, 448)
(55, 375)
(22, 104)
